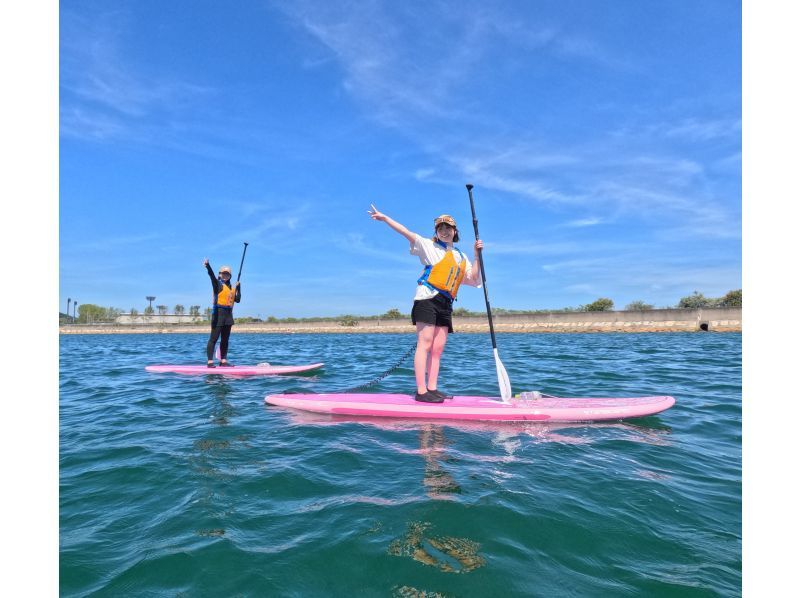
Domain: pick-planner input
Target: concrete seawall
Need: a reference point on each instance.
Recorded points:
(655, 320)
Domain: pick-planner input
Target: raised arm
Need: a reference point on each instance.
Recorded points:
(381, 217)
(211, 274)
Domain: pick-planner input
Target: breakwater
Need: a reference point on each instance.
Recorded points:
(654, 320)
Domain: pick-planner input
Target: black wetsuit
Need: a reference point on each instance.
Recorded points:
(221, 318)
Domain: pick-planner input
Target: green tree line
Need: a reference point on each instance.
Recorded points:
(89, 313)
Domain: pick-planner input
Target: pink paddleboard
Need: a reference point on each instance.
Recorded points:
(475, 408)
(237, 370)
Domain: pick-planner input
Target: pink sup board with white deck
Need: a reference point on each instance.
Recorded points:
(546, 409)
(236, 370)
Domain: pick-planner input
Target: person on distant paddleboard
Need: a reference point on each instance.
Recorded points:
(446, 268)
(222, 315)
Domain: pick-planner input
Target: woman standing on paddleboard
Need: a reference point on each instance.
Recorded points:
(222, 316)
(446, 268)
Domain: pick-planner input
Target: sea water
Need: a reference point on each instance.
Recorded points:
(175, 485)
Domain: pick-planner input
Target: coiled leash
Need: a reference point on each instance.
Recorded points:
(366, 385)
(396, 366)
(525, 395)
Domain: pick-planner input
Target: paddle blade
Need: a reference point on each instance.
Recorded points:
(217, 353)
(502, 378)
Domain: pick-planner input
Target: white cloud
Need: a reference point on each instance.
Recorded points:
(581, 265)
(404, 70)
(532, 248)
(583, 222)
(356, 243)
(115, 242)
(588, 50)
(78, 122)
(418, 85)
(681, 128)
(529, 187)
(695, 129)
(96, 73)
(674, 192)
(105, 96)
(282, 223)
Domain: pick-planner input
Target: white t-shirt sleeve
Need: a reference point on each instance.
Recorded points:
(426, 251)
(423, 249)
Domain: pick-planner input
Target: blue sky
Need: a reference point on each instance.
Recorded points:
(603, 140)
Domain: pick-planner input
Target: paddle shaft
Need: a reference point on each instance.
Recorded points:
(242, 262)
(483, 270)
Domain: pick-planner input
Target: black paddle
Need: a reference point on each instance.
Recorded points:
(502, 375)
(242, 262)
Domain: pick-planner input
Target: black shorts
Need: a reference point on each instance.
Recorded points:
(221, 317)
(437, 310)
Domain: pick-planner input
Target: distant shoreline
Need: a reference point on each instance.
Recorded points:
(663, 320)
(375, 330)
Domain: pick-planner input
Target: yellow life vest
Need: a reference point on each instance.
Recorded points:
(226, 296)
(445, 275)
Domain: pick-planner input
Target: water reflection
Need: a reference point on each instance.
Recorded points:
(439, 485)
(647, 430)
(209, 456)
(222, 409)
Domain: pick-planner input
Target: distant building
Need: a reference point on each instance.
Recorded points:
(127, 319)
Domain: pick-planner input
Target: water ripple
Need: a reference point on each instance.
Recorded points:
(180, 485)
